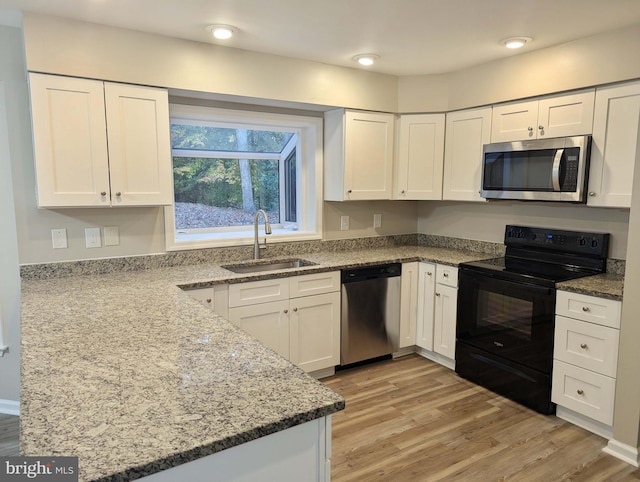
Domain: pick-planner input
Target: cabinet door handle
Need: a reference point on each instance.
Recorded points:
(208, 300)
(586, 309)
(580, 391)
(592, 194)
(286, 311)
(349, 191)
(446, 275)
(103, 193)
(429, 273)
(437, 294)
(530, 129)
(118, 194)
(583, 346)
(541, 127)
(295, 310)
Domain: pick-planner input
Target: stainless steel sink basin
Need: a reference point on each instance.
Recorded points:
(268, 265)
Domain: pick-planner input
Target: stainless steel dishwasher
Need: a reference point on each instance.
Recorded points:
(370, 312)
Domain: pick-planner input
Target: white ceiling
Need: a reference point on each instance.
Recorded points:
(410, 36)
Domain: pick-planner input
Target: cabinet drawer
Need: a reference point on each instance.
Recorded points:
(314, 284)
(447, 275)
(589, 308)
(583, 391)
(254, 292)
(586, 345)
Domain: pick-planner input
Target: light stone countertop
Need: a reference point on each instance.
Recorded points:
(127, 372)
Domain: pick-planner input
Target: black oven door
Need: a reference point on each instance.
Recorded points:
(510, 319)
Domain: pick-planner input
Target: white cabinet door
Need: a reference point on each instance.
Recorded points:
(514, 121)
(315, 331)
(70, 143)
(566, 115)
(408, 304)
(139, 145)
(551, 116)
(466, 132)
(418, 173)
(426, 305)
(203, 295)
(614, 149)
(267, 322)
(358, 155)
(444, 333)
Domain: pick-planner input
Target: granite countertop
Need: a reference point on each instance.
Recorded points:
(603, 285)
(127, 372)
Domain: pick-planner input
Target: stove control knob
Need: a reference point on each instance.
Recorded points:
(594, 243)
(582, 241)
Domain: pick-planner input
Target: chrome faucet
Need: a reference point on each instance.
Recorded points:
(267, 230)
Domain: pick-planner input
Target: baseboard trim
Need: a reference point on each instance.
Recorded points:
(599, 428)
(9, 407)
(436, 357)
(624, 452)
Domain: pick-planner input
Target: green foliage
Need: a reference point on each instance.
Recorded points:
(216, 182)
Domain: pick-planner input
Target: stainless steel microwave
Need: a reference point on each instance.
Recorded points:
(538, 170)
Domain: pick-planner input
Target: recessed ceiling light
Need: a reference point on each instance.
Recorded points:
(516, 42)
(222, 32)
(366, 59)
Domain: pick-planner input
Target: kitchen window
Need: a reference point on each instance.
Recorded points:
(227, 164)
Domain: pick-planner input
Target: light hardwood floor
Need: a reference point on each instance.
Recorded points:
(9, 439)
(411, 419)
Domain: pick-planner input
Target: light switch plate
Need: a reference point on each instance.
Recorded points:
(92, 237)
(344, 223)
(111, 236)
(59, 238)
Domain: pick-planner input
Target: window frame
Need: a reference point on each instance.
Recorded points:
(309, 200)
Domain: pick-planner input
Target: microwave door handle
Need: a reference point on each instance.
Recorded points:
(555, 172)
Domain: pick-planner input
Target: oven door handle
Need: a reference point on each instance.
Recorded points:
(555, 171)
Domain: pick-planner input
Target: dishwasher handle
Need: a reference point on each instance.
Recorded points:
(371, 272)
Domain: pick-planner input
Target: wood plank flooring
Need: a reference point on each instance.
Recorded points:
(411, 419)
(9, 435)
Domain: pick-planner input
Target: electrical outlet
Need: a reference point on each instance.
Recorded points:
(377, 220)
(344, 223)
(59, 238)
(92, 237)
(111, 236)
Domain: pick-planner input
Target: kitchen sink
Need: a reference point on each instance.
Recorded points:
(267, 265)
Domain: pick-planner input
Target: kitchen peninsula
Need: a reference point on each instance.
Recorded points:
(126, 371)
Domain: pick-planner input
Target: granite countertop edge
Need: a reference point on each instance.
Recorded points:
(165, 283)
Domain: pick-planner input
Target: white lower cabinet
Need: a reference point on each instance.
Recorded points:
(437, 308)
(298, 317)
(315, 331)
(267, 322)
(213, 297)
(408, 304)
(585, 360)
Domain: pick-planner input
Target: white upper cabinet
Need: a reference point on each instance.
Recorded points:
(552, 116)
(419, 165)
(614, 148)
(466, 132)
(358, 155)
(100, 144)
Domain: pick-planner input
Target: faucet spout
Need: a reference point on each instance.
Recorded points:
(267, 230)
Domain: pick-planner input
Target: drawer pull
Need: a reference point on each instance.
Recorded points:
(446, 275)
(580, 392)
(583, 346)
(437, 294)
(429, 273)
(208, 300)
(286, 311)
(586, 309)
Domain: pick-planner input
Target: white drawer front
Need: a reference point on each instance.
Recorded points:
(314, 284)
(254, 292)
(587, 345)
(583, 391)
(589, 308)
(203, 295)
(447, 275)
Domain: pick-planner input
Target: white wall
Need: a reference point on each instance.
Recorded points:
(486, 221)
(600, 59)
(398, 217)
(12, 98)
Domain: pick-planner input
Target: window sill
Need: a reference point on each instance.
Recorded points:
(219, 240)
